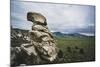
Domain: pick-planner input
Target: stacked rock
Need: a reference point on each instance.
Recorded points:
(41, 47)
(41, 38)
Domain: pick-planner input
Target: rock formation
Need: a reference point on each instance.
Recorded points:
(41, 37)
(42, 44)
(40, 47)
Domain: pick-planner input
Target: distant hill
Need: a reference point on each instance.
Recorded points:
(59, 34)
(16, 31)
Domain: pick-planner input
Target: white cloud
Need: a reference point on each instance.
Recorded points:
(60, 17)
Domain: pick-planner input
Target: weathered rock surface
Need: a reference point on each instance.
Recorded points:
(37, 46)
(41, 37)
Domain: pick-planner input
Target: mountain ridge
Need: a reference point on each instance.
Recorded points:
(58, 34)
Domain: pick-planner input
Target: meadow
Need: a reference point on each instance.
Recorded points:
(77, 49)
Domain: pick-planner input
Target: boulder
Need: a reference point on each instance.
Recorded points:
(36, 18)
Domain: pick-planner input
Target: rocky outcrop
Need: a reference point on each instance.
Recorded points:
(37, 46)
(41, 37)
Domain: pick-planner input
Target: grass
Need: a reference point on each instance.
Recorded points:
(77, 49)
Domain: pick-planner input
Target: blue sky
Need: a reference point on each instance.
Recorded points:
(66, 18)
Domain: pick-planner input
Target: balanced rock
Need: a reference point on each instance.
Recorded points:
(41, 38)
(41, 47)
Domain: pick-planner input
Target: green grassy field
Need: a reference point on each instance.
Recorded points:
(77, 49)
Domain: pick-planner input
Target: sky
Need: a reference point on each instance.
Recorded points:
(65, 18)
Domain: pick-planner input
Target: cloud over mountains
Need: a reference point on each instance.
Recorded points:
(60, 17)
